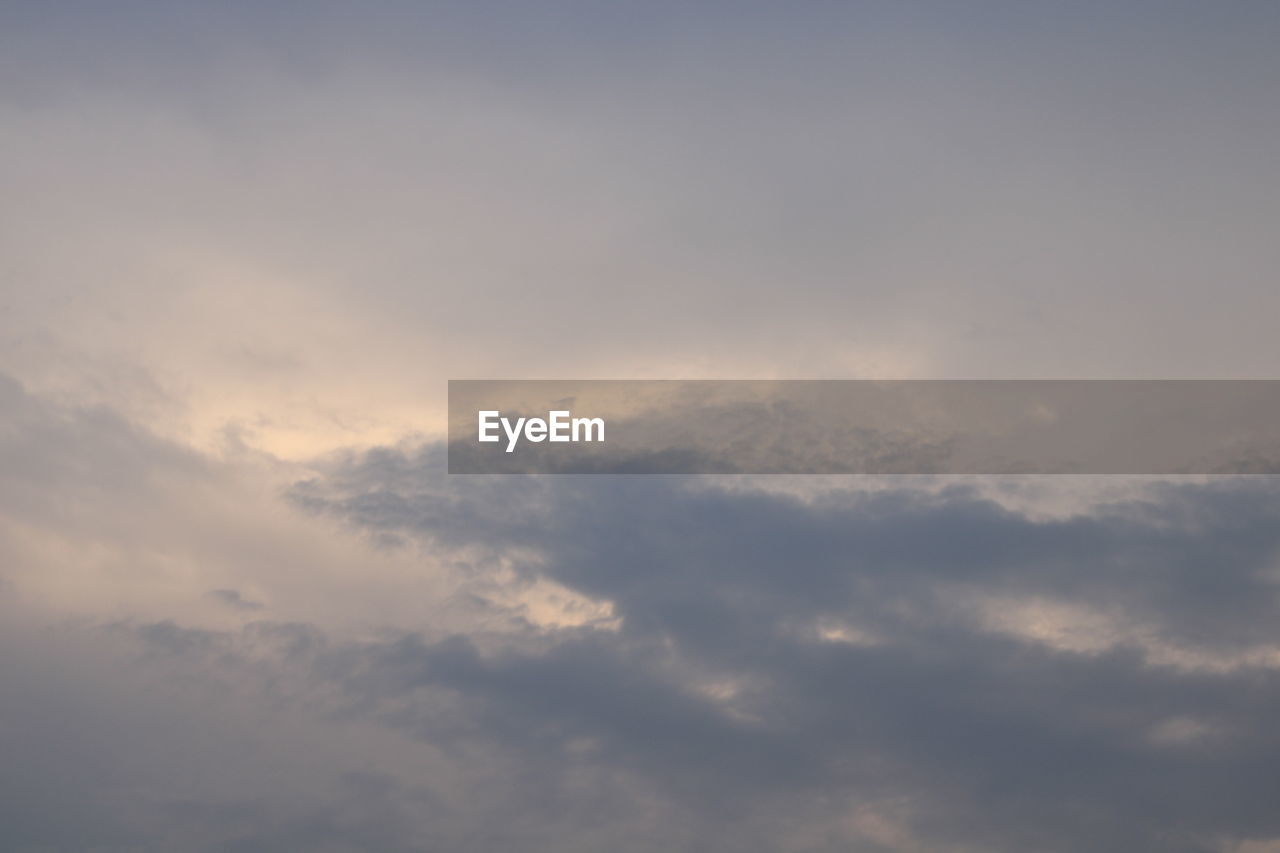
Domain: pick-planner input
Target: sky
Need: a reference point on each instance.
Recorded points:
(244, 245)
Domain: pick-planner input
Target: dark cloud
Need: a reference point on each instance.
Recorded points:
(1154, 737)
(910, 668)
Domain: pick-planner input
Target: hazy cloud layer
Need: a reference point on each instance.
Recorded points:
(299, 222)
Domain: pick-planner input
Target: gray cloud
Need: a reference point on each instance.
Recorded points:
(1003, 739)
(900, 669)
(995, 193)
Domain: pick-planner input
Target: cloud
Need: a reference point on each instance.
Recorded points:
(966, 691)
(676, 662)
(102, 518)
(302, 235)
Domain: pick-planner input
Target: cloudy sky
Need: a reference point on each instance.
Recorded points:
(244, 245)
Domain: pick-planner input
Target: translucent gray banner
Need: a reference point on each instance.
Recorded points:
(1146, 427)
